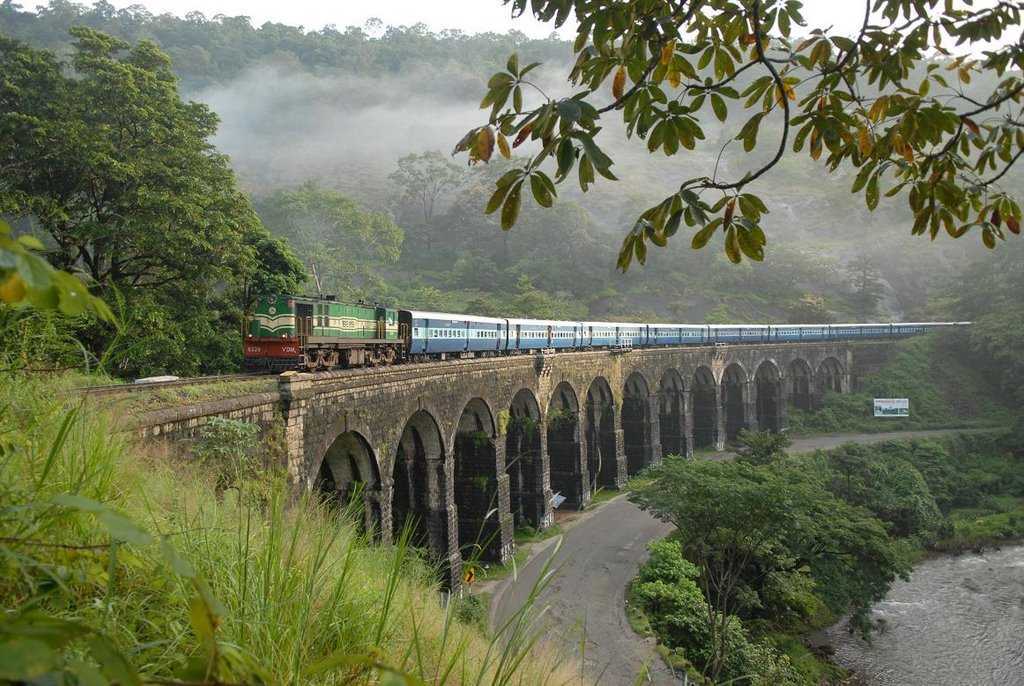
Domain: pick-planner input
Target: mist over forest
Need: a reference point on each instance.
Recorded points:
(319, 124)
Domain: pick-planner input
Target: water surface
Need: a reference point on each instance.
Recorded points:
(959, 620)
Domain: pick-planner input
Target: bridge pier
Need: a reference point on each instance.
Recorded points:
(672, 417)
(443, 518)
(481, 498)
(652, 449)
(687, 427)
(750, 419)
(720, 432)
(528, 466)
(621, 466)
(567, 460)
(540, 502)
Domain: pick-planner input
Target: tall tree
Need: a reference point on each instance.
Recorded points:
(726, 517)
(893, 102)
(115, 168)
(867, 286)
(347, 243)
(989, 294)
(117, 173)
(427, 183)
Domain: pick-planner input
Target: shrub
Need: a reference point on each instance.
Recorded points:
(228, 448)
(470, 610)
(761, 447)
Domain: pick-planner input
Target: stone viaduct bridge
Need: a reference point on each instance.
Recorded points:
(461, 453)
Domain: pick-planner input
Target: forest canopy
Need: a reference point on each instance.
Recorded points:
(324, 131)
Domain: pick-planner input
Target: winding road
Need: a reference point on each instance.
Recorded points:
(583, 604)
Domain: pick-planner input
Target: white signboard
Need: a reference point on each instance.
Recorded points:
(892, 407)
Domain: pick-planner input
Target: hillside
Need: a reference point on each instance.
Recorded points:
(343, 106)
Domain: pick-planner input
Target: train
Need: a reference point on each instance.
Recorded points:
(286, 332)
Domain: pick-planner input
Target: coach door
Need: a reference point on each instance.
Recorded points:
(304, 321)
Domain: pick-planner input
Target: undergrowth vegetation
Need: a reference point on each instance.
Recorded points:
(772, 546)
(128, 568)
(945, 391)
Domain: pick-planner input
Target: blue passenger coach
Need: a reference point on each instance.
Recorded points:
(599, 335)
(435, 333)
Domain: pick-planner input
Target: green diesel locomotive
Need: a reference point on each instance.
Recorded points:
(310, 333)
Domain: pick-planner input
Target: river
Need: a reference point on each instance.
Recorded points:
(959, 620)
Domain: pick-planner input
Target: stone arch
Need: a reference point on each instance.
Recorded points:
(672, 414)
(478, 501)
(829, 377)
(637, 423)
(418, 495)
(523, 460)
(769, 402)
(562, 423)
(348, 477)
(799, 377)
(734, 399)
(705, 408)
(602, 436)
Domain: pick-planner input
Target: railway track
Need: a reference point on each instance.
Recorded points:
(118, 389)
(130, 388)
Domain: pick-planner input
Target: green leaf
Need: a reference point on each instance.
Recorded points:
(24, 659)
(748, 134)
(732, 246)
(988, 238)
(640, 248)
(540, 191)
(203, 621)
(177, 563)
(513, 64)
(36, 272)
(86, 674)
(701, 238)
(565, 155)
(510, 211)
(871, 193)
(78, 502)
(112, 663)
(123, 529)
(31, 242)
(749, 245)
(497, 198)
(600, 161)
(862, 177)
(718, 105)
(672, 226)
(569, 110)
(626, 252)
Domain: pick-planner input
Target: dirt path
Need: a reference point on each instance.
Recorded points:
(600, 553)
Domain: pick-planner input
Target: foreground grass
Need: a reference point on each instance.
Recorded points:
(127, 568)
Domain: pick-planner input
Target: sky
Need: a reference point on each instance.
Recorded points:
(472, 16)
